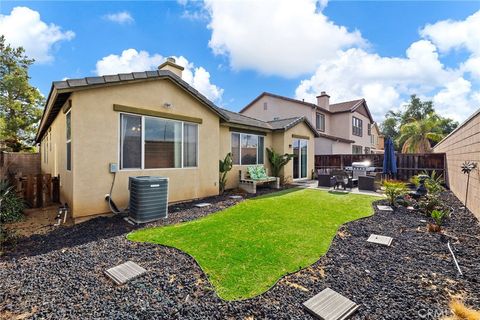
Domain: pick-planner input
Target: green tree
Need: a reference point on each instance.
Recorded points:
(416, 136)
(415, 110)
(20, 103)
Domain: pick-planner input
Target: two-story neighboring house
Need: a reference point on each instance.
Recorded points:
(344, 127)
(377, 139)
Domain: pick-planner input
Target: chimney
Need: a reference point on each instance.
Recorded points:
(170, 65)
(323, 100)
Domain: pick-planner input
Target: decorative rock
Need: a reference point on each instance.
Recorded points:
(236, 197)
(400, 284)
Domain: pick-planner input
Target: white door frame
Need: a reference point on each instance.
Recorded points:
(299, 160)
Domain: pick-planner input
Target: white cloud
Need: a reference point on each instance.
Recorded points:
(286, 38)
(199, 78)
(456, 100)
(131, 60)
(450, 34)
(123, 17)
(24, 27)
(472, 65)
(382, 81)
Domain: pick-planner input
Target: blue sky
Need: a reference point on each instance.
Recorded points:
(234, 50)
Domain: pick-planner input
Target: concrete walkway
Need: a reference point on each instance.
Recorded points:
(313, 184)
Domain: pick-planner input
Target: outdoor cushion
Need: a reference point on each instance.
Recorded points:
(257, 172)
(252, 171)
(261, 172)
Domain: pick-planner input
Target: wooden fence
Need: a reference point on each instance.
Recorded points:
(12, 163)
(408, 164)
(39, 190)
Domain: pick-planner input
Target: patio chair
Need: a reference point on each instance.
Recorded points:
(341, 179)
(369, 183)
(325, 180)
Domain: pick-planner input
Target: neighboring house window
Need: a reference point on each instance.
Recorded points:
(357, 126)
(357, 149)
(367, 150)
(247, 148)
(369, 129)
(265, 106)
(320, 121)
(69, 140)
(163, 143)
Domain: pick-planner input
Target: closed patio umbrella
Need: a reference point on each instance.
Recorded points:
(389, 158)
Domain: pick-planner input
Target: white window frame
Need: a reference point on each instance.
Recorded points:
(67, 141)
(321, 116)
(142, 117)
(240, 146)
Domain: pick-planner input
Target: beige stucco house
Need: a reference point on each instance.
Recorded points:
(154, 123)
(344, 127)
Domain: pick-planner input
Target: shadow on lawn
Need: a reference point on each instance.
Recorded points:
(108, 227)
(71, 236)
(277, 193)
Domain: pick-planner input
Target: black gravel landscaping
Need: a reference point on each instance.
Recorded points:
(60, 275)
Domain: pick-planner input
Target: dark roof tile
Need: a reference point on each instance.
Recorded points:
(126, 76)
(152, 74)
(77, 82)
(139, 75)
(95, 80)
(112, 78)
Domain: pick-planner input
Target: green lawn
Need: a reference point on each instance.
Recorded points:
(246, 248)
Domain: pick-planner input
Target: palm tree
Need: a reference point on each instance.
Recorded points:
(416, 136)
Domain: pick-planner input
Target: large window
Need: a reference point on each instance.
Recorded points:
(69, 140)
(320, 121)
(163, 143)
(357, 127)
(247, 148)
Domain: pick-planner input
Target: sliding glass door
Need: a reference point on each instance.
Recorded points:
(300, 158)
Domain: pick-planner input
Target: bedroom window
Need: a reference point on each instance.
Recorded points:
(157, 143)
(357, 127)
(247, 149)
(320, 122)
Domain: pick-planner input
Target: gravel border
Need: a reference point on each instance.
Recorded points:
(60, 275)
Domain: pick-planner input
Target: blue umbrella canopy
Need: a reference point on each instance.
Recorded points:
(389, 158)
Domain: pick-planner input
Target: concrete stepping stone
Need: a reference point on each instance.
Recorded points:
(125, 272)
(330, 305)
(203, 205)
(384, 208)
(383, 240)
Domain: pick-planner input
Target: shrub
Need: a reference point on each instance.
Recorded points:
(438, 216)
(278, 161)
(225, 166)
(434, 183)
(11, 205)
(429, 203)
(394, 189)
